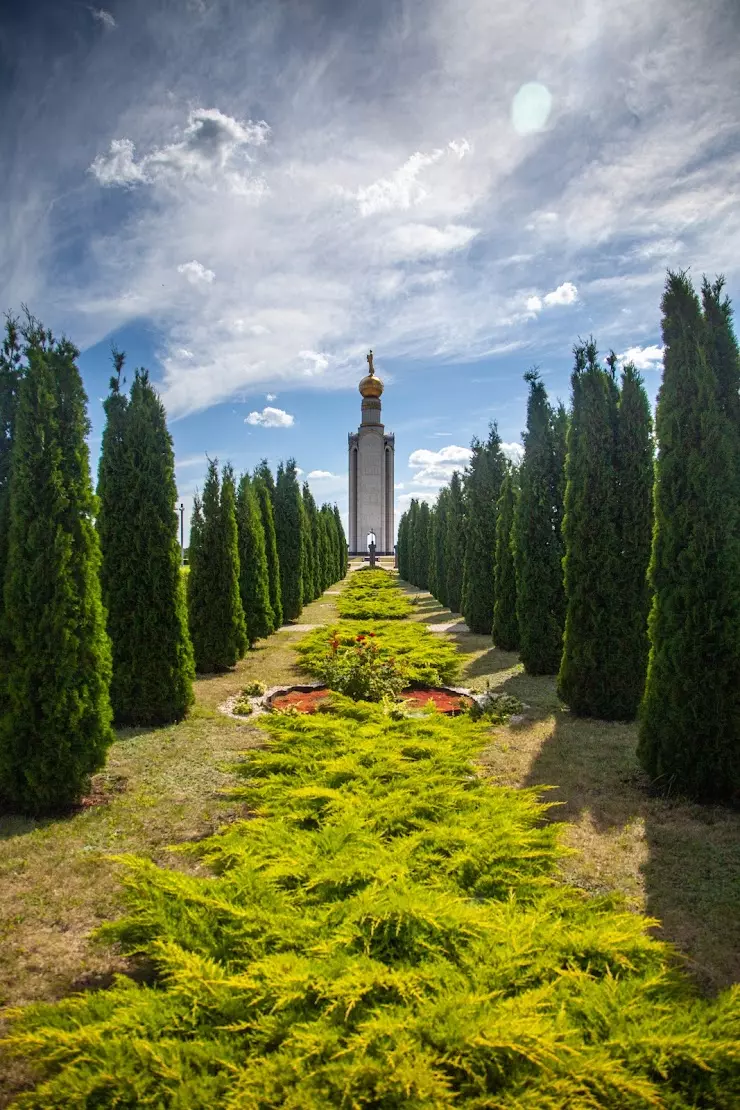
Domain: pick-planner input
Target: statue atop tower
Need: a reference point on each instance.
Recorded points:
(371, 472)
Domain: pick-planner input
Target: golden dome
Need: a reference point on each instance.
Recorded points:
(371, 385)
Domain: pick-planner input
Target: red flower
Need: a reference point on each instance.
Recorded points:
(359, 639)
(371, 634)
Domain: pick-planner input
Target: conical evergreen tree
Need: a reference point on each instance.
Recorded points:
(11, 374)
(289, 531)
(264, 474)
(264, 502)
(342, 541)
(537, 542)
(432, 585)
(312, 582)
(217, 624)
(634, 466)
(55, 671)
(142, 585)
(413, 542)
(440, 536)
(588, 680)
(505, 623)
(421, 546)
(254, 580)
(403, 547)
(324, 555)
(455, 543)
(690, 715)
(483, 480)
(722, 348)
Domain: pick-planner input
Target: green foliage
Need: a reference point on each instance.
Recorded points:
(217, 624)
(690, 716)
(402, 547)
(483, 480)
(373, 595)
(361, 672)
(424, 657)
(254, 578)
(142, 585)
(496, 708)
(264, 501)
(253, 690)
(312, 587)
(420, 546)
(455, 544)
(588, 680)
(634, 471)
(537, 539)
(386, 930)
(343, 559)
(55, 667)
(290, 535)
(505, 623)
(438, 537)
(12, 369)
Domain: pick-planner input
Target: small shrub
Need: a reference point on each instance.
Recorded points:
(253, 690)
(361, 672)
(496, 708)
(372, 594)
(243, 707)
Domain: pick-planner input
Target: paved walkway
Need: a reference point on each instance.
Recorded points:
(449, 626)
(299, 627)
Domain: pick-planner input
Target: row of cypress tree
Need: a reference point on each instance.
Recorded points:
(614, 567)
(259, 551)
(94, 625)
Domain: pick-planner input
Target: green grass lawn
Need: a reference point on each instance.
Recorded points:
(673, 860)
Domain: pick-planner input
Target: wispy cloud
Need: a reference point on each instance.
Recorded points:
(321, 474)
(271, 418)
(197, 274)
(434, 468)
(104, 17)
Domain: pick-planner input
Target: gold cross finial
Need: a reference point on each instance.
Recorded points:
(370, 362)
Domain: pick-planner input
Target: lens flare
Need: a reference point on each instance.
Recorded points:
(530, 108)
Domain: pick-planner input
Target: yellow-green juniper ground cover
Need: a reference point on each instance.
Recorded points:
(373, 594)
(384, 929)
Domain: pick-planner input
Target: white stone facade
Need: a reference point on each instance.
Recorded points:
(371, 482)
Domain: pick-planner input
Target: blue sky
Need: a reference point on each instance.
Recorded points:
(245, 197)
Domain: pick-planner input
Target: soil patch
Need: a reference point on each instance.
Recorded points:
(448, 702)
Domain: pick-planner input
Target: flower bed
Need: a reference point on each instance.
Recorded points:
(311, 700)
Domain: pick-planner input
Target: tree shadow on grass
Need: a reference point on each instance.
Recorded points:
(687, 854)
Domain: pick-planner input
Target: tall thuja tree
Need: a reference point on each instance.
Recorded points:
(505, 623)
(254, 579)
(431, 550)
(217, 624)
(264, 503)
(12, 368)
(142, 585)
(437, 554)
(342, 540)
(455, 543)
(722, 348)
(264, 474)
(690, 716)
(55, 713)
(403, 547)
(537, 541)
(634, 467)
(329, 538)
(412, 527)
(483, 480)
(289, 527)
(324, 556)
(589, 680)
(312, 584)
(421, 546)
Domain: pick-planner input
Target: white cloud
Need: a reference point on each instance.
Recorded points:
(534, 304)
(405, 499)
(317, 362)
(644, 358)
(434, 468)
(513, 451)
(197, 274)
(399, 485)
(104, 17)
(412, 241)
(271, 396)
(271, 418)
(212, 148)
(460, 147)
(321, 474)
(400, 190)
(564, 294)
